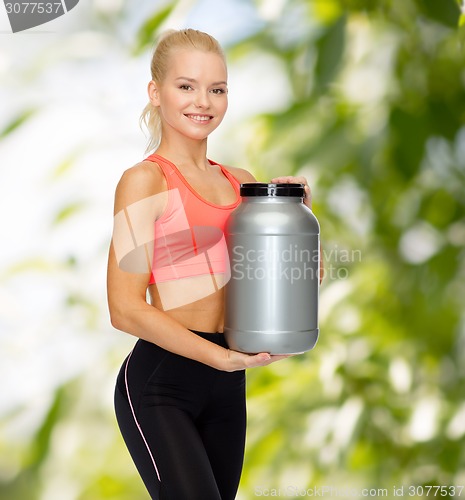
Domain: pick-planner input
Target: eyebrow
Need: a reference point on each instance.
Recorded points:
(193, 80)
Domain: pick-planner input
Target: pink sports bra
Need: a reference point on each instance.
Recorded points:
(189, 235)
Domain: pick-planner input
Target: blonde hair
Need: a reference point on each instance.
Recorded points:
(169, 41)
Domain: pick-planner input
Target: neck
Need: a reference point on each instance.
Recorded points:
(185, 152)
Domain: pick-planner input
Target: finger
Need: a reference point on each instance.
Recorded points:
(281, 179)
(290, 179)
(260, 359)
(264, 359)
(287, 179)
(296, 180)
(308, 196)
(277, 357)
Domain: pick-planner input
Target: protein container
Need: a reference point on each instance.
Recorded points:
(274, 253)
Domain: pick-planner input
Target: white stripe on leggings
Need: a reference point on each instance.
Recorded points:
(135, 419)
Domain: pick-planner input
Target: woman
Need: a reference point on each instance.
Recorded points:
(180, 394)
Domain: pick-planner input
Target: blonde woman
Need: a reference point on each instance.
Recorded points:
(180, 393)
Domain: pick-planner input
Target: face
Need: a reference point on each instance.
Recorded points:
(193, 97)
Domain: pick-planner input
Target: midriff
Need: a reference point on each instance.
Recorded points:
(205, 314)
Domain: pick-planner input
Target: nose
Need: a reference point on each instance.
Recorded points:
(202, 100)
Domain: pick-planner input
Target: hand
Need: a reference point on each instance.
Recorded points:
(307, 201)
(289, 179)
(239, 361)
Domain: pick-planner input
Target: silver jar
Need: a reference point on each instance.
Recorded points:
(274, 254)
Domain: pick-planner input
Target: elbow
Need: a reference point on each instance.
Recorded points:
(126, 310)
(117, 318)
(115, 322)
(126, 316)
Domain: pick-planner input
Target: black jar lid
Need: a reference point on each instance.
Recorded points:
(279, 189)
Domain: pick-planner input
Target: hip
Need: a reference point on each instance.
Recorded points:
(150, 375)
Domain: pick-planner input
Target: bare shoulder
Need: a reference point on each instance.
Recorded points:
(142, 180)
(145, 174)
(240, 174)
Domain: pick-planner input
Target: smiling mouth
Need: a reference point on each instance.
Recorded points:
(200, 118)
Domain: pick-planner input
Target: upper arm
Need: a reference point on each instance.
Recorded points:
(139, 199)
(138, 183)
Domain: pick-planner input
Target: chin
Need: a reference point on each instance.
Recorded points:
(199, 136)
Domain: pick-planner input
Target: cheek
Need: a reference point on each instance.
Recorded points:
(223, 105)
(175, 103)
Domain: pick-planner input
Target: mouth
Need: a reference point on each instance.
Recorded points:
(199, 118)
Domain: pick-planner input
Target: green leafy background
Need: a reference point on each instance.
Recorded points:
(366, 99)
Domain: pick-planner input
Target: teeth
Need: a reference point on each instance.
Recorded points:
(199, 118)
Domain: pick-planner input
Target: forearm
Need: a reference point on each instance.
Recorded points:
(150, 324)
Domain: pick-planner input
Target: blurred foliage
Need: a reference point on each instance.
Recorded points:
(145, 37)
(17, 121)
(376, 123)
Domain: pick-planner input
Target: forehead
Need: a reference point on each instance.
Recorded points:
(193, 63)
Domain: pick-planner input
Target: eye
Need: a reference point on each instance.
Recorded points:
(219, 91)
(185, 86)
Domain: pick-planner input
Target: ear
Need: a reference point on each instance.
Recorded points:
(152, 89)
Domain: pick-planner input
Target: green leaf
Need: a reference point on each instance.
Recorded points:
(462, 20)
(330, 51)
(42, 440)
(409, 131)
(34, 264)
(148, 31)
(326, 11)
(68, 211)
(443, 12)
(63, 167)
(17, 122)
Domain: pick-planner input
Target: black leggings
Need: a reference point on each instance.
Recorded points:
(183, 423)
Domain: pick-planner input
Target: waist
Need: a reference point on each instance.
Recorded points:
(195, 303)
